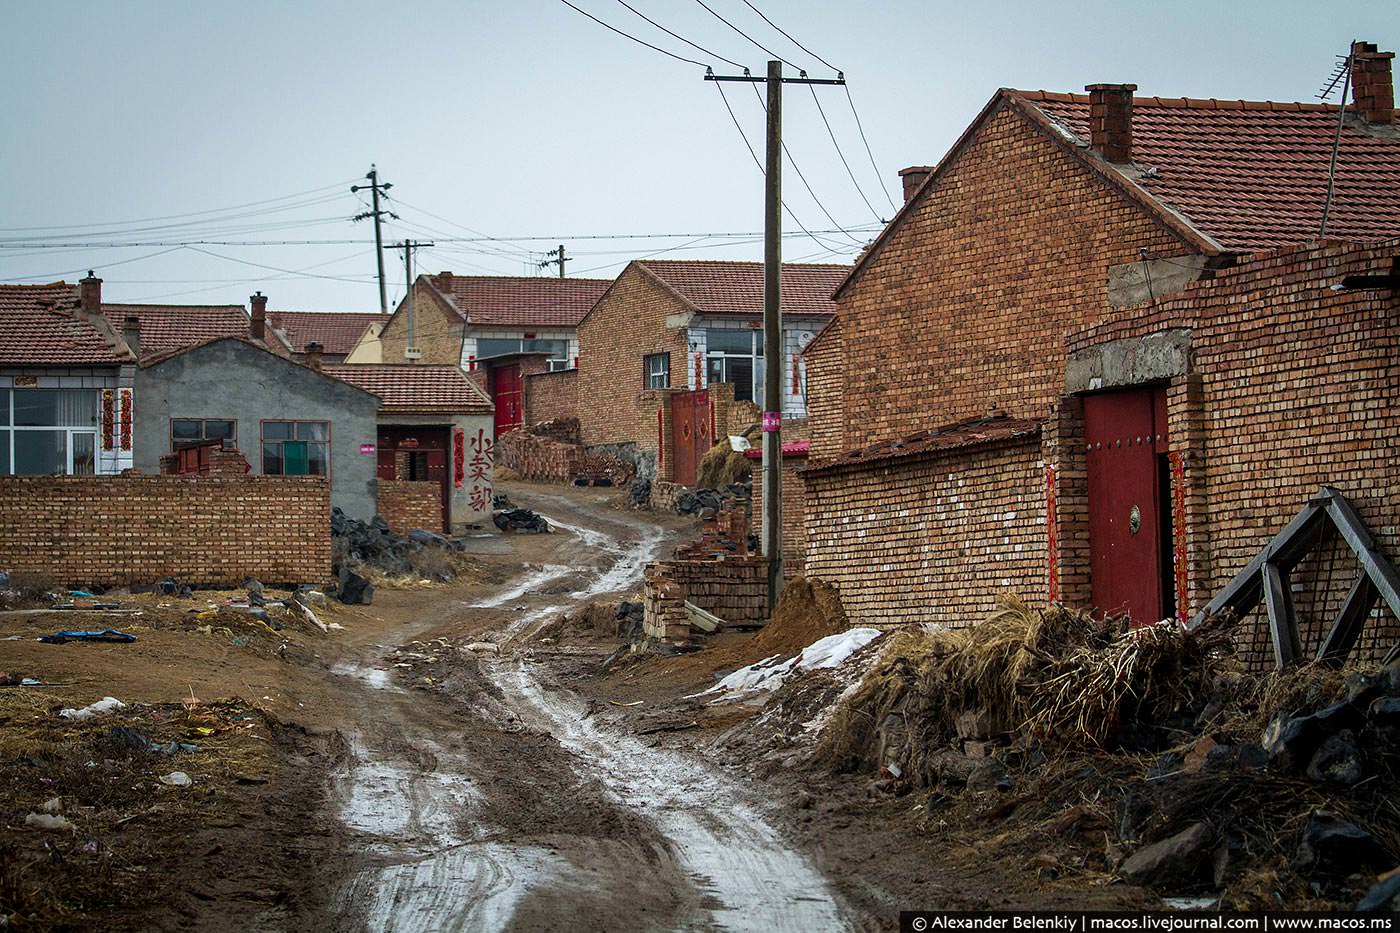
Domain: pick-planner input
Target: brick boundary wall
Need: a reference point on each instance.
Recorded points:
(408, 504)
(202, 530)
(794, 505)
(735, 589)
(933, 539)
(551, 396)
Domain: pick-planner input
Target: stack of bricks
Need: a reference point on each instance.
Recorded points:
(202, 530)
(594, 467)
(725, 535)
(663, 605)
(532, 456)
(408, 504)
(733, 588)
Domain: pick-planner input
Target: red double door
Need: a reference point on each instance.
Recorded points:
(1129, 480)
(690, 434)
(508, 392)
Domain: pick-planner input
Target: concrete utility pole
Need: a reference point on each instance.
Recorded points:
(375, 187)
(408, 246)
(773, 356)
(558, 261)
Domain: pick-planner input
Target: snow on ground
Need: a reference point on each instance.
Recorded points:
(769, 674)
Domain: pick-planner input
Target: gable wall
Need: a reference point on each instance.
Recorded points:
(437, 331)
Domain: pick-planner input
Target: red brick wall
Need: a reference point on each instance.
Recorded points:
(551, 396)
(1295, 386)
(627, 324)
(202, 530)
(967, 304)
(794, 502)
(825, 377)
(408, 504)
(934, 539)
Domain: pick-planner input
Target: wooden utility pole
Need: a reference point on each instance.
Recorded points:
(559, 259)
(773, 337)
(408, 246)
(375, 187)
(773, 356)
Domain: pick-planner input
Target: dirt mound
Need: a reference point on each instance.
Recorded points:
(722, 465)
(807, 610)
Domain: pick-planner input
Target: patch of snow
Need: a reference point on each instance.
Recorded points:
(769, 674)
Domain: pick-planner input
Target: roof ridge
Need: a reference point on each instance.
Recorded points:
(1185, 103)
(511, 278)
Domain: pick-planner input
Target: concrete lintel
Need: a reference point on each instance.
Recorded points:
(680, 320)
(1130, 361)
(1135, 282)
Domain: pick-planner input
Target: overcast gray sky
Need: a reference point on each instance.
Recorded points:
(526, 119)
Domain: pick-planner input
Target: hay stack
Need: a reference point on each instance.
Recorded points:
(1056, 675)
(722, 465)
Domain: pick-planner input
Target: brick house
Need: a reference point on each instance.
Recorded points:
(1133, 366)
(339, 333)
(482, 324)
(678, 345)
(434, 446)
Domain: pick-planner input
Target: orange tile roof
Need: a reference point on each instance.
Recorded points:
(38, 327)
(993, 429)
(725, 287)
(521, 302)
(336, 331)
(408, 388)
(170, 327)
(1252, 175)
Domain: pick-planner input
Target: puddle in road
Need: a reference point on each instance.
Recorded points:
(528, 585)
(376, 677)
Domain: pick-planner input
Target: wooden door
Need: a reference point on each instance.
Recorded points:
(690, 434)
(507, 392)
(1126, 437)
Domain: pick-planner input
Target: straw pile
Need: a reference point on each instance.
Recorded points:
(1056, 675)
(722, 465)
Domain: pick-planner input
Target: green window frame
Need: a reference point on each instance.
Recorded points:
(296, 448)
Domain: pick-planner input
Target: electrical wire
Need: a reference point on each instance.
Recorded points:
(741, 32)
(727, 61)
(880, 178)
(259, 265)
(50, 275)
(859, 190)
(790, 38)
(655, 48)
(291, 274)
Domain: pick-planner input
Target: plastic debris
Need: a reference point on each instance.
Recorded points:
(50, 822)
(111, 634)
(101, 708)
(126, 736)
(176, 779)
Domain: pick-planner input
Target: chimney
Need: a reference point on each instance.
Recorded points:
(443, 282)
(259, 305)
(89, 296)
(913, 177)
(1111, 120)
(313, 355)
(131, 334)
(1372, 92)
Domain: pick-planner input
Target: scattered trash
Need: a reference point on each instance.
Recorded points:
(109, 635)
(101, 708)
(311, 616)
(126, 737)
(191, 701)
(50, 822)
(521, 520)
(176, 779)
(632, 703)
(483, 647)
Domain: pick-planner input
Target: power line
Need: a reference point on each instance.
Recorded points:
(851, 100)
(50, 275)
(727, 61)
(301, 273)
(655, 48)
(817, 100)
(258, 265)
(791, 39)
(741, 32)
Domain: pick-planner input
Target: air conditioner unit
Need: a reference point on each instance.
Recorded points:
(412, 353)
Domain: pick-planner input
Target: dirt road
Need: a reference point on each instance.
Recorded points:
(492, 799)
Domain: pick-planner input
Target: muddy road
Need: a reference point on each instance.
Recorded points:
(489, 797)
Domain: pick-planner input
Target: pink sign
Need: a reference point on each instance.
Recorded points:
(366, 448)
(772, 421)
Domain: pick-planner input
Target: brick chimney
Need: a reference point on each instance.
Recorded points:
(131, 334)
(1372, 92)
(913, 177)
(1111, 120)
(259, 306)
(443, 282)
(89, 297)
(313, 355)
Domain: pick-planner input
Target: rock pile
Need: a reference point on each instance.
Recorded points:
(357, 545)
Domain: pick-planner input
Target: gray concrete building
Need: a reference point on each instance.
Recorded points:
(287, 418)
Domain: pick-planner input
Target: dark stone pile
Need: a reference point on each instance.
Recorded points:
(701, 500)
(356, 545)
(522, 520)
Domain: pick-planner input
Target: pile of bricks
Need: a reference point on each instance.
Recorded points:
(206, 460)
(535, 457)
(203, 530)
(725, 535)
(733, 588)
(408, 504)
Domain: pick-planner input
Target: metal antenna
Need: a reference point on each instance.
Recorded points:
(1345, 69)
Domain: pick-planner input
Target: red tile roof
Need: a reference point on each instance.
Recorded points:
(516, 302)
(170, 327)
(408, 388)
(336, 331)
(790, 449)
(1252, 175)
(724, 287)
(38, 327)
(989, 430)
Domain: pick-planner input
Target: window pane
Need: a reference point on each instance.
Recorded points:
(317, 462)
(557, 349)
(496, 346)
(4, 453)
(84, 453)
(219, 430)
(41, 453)
(77, 408)
(183, 429)
(729, 341)
(272, 459)
(294, 457)
(36, 407)
(4, 407)
(312, 430)
(740, 372)
(277, 430)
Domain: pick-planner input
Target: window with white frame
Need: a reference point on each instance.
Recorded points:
(48, 431)
(657, 367)
(296, 448)
(558, 350)
(733, 356)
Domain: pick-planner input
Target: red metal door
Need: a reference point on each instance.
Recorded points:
(507, 394)
(690, 434)
(1124, 432)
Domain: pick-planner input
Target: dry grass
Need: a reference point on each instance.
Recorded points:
(722, 465)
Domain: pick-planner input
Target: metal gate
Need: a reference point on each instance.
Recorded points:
(1129, 526)
(507, 393)
(690, 434)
